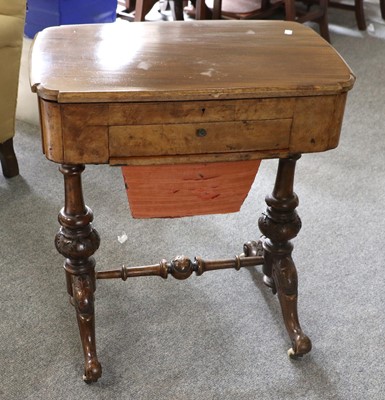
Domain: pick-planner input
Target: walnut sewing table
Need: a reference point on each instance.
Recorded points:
(190, 89)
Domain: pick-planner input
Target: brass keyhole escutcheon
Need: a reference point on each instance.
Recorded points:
(201, 132)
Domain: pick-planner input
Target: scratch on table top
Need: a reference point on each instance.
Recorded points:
(209, 72)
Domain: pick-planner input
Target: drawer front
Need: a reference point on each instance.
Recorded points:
(200, 111)
(204, 138)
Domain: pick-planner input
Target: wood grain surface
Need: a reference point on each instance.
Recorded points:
(184, 60)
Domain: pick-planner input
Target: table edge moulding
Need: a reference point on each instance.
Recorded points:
(202, 102)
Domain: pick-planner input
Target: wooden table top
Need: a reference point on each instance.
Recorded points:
(171, 61)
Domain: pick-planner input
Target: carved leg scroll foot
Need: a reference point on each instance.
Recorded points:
(285, 278)
(280, 223)
(77, 240)
(83, 290)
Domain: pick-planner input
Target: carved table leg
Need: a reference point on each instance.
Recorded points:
(280, 223)
(77, 240)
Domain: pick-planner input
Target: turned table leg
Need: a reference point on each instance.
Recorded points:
(77, 240)
(279, 224)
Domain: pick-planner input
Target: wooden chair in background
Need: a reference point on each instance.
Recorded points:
(136, 10)
(260, 9)
(143, 7)
(240, 9)
(357, 7)
(316, 11)
(257, 9)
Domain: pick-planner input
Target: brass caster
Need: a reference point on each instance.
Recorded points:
(86, 380)
(292, 354)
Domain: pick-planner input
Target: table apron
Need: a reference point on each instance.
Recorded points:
(192, 131)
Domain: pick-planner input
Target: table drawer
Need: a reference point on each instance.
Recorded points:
(184, 112)
(203, 138)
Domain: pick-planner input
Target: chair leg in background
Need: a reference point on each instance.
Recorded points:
(360, 14)
(8, 159)
(382, 7)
